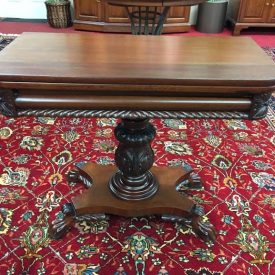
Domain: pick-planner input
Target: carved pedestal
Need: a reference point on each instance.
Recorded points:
(135, 189)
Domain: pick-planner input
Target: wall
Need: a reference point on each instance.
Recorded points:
(34, 9)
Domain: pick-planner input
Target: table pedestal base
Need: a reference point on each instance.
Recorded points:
(98, 200)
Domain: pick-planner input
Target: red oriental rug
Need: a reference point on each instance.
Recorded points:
(235, 159)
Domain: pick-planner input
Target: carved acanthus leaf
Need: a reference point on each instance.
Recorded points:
(7, 106)
(259, 105)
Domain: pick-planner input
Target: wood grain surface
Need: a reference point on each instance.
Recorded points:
(136, 60)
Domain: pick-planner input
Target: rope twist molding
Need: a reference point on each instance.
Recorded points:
(130, 114)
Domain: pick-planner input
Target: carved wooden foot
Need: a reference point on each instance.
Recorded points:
(60, 226)
(203, 228)
(78, 175)
(190, 179)
(73, 176)
(197, 222)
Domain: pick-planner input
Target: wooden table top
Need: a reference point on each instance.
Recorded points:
(140, 60)
(155, 3)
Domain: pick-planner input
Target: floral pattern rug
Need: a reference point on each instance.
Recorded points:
(270, 52)
(234, 158)
(6, 39)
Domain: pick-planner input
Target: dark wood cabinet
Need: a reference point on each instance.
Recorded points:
(252, 13)
(97, 15)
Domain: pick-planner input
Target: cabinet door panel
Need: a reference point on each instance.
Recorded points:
(87, 10)
(178, 15)
(115, 14)
(254, 11)
(271, 16)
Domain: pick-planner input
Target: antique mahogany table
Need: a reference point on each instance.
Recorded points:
(134, 78)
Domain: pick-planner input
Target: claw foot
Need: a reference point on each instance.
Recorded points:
(78, 175)
(197, 210)
(83, 176)
(196, 222)
(60, 227)
(203, 228)
(73, 176)
(190, 180)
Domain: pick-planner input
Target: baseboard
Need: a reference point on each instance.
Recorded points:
(9, 19)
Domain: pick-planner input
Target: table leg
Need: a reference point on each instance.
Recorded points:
(147, 20)
(136, 188)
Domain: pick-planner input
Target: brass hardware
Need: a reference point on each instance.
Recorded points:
(273, 4)
(267, 4)
(98, 1)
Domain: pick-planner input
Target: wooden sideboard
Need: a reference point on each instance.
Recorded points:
(97, 15)
(252, 13)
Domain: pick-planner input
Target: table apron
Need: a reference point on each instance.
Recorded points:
(132, 102)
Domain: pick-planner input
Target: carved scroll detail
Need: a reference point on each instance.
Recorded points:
(7, 106)
(259, 106)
